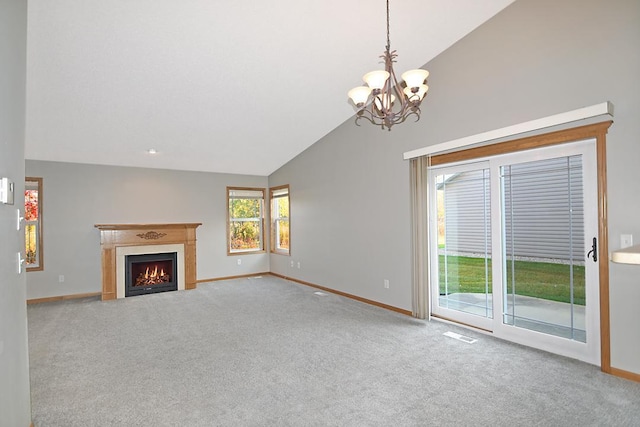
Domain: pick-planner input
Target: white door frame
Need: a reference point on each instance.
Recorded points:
(590, 351)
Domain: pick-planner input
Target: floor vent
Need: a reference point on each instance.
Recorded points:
(459, 337)
(254, 277)
(322, 294)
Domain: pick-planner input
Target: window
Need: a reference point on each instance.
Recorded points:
(279, 197)
(33, 223)
(246, 220)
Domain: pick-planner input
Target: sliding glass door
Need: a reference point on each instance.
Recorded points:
(510, 240)
(543, 229)
(462, 251)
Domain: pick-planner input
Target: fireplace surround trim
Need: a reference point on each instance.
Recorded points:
(113, 236)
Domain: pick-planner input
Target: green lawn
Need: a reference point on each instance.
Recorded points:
(537, 279)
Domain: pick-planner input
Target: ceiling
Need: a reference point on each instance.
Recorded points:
(225, 86)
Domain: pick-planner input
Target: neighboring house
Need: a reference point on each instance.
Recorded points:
(542, 215)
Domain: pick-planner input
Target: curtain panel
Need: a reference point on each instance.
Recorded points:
(419, 237)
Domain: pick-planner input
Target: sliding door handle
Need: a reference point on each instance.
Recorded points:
(593, 253)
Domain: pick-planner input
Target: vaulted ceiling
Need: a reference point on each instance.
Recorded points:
(214, 85)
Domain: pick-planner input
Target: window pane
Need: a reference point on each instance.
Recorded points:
(245, 219)
(464, 242)
(33, 223)
(244, 208)
(244, 235)
(283, 234)
(31, 205)
(283, 207)
(544, 269)
(280, 219)
(31, 246)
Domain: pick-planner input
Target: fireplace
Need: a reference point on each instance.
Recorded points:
(150, 273)
(118, 241)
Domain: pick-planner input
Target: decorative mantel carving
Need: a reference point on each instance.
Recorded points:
(116, 235)
(151, 235)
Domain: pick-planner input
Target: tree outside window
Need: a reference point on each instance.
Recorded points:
(246, 220)
(33, 223)
(279, 197)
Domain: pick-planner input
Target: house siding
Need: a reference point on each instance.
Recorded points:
(543, 210)
(467, 219)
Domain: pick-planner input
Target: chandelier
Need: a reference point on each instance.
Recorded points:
(384, 102)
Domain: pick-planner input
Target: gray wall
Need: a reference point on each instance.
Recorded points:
(15, 407)
(350, 191)
(77, 196)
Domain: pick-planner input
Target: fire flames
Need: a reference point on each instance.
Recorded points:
(152, 277)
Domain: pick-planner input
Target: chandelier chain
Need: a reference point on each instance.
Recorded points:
(388, 38)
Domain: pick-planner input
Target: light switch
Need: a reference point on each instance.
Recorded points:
(19, 219)
(626, 240)
(20, 261)
(6, 191)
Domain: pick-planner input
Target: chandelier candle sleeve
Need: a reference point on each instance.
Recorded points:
(385, 101)
(382, 102)
(416, 94)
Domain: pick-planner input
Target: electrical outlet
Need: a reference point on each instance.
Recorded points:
(626, 240)
(61, 278)
(298, 264)
(239, 261)
(291, 263)
(386, 283)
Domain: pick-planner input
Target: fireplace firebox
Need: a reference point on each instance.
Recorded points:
(150, 273)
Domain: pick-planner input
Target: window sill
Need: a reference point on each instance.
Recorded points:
(285, 253)
(260, 251)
